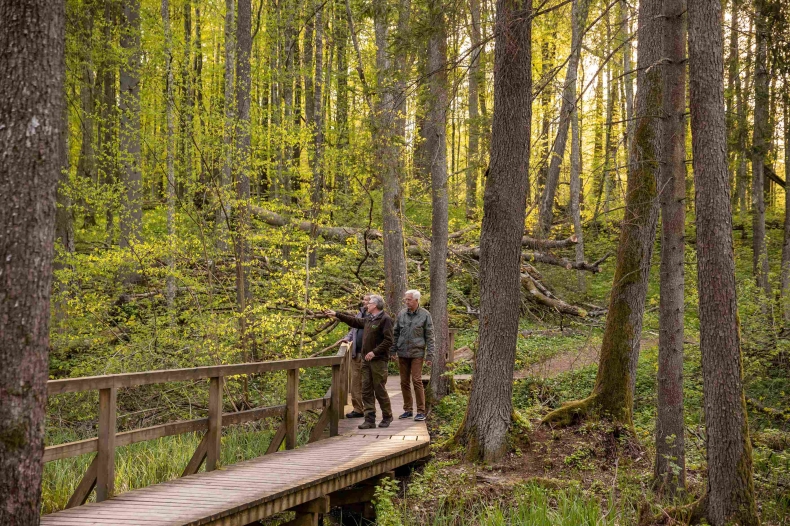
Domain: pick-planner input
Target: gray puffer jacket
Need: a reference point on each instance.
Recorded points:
(413, 334)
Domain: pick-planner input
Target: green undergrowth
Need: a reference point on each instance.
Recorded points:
(154, 461)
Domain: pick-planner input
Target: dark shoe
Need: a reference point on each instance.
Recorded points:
(419, 417)
(367, 424)
(385, 422)
(407, 414)
(355, 414)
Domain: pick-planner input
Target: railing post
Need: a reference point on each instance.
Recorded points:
(344, 369)
(291, 408)
(334, 404)
(214, 444)
(105, 475)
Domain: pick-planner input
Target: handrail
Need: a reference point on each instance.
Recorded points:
(89, 383)
(101, 472)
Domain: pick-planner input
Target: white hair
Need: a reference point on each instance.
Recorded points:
(414, 294)
(378, 300)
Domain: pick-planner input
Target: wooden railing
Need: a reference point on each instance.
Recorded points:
(101, 472)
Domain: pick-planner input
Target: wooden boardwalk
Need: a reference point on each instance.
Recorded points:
(248, 491)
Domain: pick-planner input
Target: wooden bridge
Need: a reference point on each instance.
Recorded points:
(308, 480)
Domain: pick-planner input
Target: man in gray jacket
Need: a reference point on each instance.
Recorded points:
(413, 346)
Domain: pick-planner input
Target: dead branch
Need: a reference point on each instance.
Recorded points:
(560, 306)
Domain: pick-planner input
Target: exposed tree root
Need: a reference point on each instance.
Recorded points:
(572, 412)
(688, 514)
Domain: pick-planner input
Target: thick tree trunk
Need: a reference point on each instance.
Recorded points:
(730, 493)
(170, 287)
(223, 211)
(32, 155)
(475, 81)
(436, 147)
(613, 393)
(132, 212)
(504, 207)
(760, 148)
(670, 465)
(546, 210)
(243, 163)
(389, 164)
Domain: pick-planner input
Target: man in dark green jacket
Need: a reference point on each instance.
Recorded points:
(376, 345)
(413, 335)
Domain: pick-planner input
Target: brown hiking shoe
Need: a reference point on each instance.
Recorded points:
(367, 424)
(386, 422)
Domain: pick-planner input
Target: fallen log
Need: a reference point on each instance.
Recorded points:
(560, 306)
(535, 257)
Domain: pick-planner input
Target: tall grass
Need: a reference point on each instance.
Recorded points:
(146, 463)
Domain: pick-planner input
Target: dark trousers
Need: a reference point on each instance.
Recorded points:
(374, 387)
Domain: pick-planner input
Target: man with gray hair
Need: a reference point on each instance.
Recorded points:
(413, 336)
(376, 345)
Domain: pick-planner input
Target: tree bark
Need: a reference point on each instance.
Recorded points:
(318, 112)
(32, 155)
(243, 162)
(341, 105)
(504, 208)
(786, 244)
(730, 491)
(132, 212)
(628, 85)
(223, 211)
(576, 192)
(670, 461)
(108, 149)
(389, 163)
(546, 210)
(613, 393)
(475, 80)
(170, 286)
(436, 147)
(187, 104)
(760, 147)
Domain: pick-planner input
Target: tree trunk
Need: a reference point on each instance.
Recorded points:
(223, 197)
(108, 149)
(436, 131)
(546, 211)
(786, 244)
(341, 106)
(243, 163)
(132, 212)
(316, 103)
(187, 104)
(32, 155)
(625, 34)
(86, 165)
(576, 190)
(670, 465)
(504, 207)
(730, 492)
(613, 393)
(475, 81)
(760, 148)
(170, 287)
(546, 55)
(389, 164)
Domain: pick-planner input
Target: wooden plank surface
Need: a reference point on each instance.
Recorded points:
(264, 486)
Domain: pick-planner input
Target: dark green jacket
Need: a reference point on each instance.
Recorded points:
(413, 334)
(376, 334)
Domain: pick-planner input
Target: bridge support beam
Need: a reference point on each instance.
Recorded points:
(308, 514)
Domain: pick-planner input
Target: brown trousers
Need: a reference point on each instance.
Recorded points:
(411, 375)
(356, 384)
(374, 388)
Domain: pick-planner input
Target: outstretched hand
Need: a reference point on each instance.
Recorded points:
(330, 313)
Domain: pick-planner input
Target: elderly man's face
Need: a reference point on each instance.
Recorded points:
(410, 302)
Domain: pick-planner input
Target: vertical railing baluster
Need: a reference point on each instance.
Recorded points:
(105, 475)
(291, 408)
(334, 404)
(214, 446)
